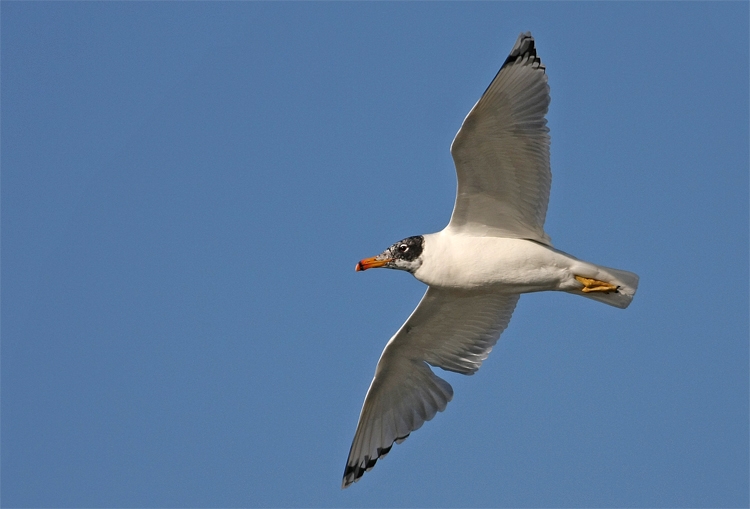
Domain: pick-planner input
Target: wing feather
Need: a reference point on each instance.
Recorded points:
(501, 152)
(451, 329)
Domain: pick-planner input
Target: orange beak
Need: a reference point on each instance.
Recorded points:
(371, 263)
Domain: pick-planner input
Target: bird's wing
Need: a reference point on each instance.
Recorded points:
(451, 329)
(501, 153)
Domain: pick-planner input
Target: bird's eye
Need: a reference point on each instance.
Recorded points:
(403, 248)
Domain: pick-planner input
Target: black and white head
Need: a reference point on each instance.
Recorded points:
(403, 255)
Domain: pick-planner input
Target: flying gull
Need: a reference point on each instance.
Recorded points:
(493, 250)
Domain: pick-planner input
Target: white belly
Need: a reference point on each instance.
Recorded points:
(497, 263)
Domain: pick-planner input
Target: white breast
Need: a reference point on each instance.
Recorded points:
(502, 264)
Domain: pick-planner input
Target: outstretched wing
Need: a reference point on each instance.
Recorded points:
(501, 152)
(451, 329)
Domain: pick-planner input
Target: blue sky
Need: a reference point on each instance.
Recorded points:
(186, 188)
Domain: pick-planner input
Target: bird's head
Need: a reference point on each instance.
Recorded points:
(403, 255)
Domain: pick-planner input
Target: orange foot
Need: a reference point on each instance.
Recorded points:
(594, 285)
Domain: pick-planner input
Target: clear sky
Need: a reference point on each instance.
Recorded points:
(186, 188)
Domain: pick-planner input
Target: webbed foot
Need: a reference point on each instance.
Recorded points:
(594, 285)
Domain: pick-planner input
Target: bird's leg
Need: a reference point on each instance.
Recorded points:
(594, 285)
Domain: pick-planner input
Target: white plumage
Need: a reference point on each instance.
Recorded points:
(493, 249)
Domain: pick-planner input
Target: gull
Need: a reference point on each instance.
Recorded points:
(493, 250)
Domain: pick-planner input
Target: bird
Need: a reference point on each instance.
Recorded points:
(493, 249)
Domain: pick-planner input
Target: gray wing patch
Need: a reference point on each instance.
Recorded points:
(501, 152)
(449, 329)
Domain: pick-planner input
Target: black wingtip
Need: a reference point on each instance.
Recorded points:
(525, 49)
(353, 473)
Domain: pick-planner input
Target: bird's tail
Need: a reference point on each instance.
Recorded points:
(626, 283)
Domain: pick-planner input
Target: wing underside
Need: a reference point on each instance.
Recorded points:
(501, 152)
(452, 330)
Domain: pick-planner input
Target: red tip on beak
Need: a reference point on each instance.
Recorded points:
(371, 263)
